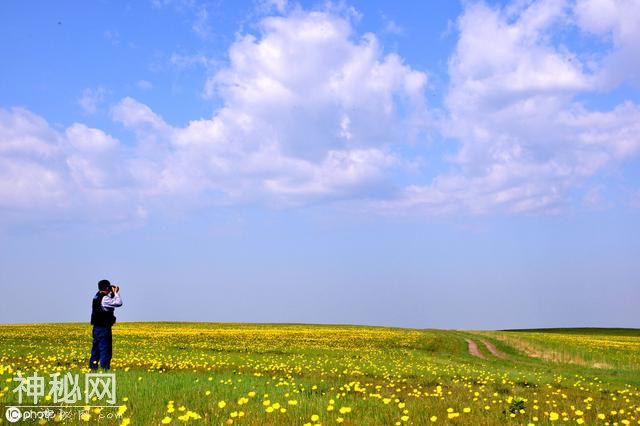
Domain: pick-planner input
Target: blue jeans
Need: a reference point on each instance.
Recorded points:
(101, 349)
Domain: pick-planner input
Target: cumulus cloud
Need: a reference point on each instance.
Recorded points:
(391, 26)
(311, 111)
(340, 89)
(136, 115)
(323, 127)
(267, 6)
(80, 171)
(525, 141)
(617, 22)
(30, 162)
(92, 99)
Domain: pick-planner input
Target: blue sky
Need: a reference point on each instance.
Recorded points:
(437, 164)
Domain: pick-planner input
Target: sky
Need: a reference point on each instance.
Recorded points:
(437, 164)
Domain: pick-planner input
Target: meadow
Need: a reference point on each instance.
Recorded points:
(261, 374)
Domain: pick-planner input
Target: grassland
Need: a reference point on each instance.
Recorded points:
(174, 373)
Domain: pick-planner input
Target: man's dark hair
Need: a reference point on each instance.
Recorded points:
(103, 285)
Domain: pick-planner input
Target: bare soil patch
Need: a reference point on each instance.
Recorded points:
(473, 349)
(494, 351)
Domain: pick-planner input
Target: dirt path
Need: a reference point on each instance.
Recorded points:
(473, 348)
(494, 351)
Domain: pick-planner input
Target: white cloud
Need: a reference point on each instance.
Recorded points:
(525, 142)
(144, 85)
(94, 160)
(391, 26)
(617, 21)
(92, 99)
(30, 184)
(201, 24)
(85, 139)
(311, 111)
(336, 80)
(182, 61)
(134, 114)
(30, 157)
(268, 6)
(24, 133)
(81, 171)
(498, 62)
(322, 128)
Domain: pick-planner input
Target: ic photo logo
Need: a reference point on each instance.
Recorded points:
(13, 414)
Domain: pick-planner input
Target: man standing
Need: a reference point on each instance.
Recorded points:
(104, 303)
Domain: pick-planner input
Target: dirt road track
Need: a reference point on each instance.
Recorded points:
(494, 351)
(473, 348)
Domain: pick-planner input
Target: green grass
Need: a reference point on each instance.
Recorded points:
(605, 349)
(377, 372)
(585, 331)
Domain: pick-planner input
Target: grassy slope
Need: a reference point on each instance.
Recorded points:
(604, 351)
(586, 331)
(159, 362)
